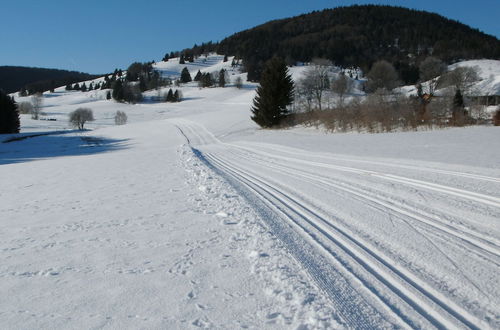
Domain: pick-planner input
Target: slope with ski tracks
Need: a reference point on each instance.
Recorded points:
(389, 246)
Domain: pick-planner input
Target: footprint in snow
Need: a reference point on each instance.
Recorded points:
(229, 222)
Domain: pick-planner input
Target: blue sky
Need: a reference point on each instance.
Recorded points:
(97, 36)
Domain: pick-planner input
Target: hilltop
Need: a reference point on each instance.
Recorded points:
(358, 36)
(13, 78)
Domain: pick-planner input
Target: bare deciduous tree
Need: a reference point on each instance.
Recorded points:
(430, 69)
(315, 81)
(80, 116)
(382, 75)
(120, 118)
(462, 78)
(342, 86)
(37, 101)
(238, 82)
(25, 107)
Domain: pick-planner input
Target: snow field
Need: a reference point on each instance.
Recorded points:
(375, 259)
(299, 304)
(190, 216)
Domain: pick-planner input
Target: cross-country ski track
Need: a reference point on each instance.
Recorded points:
(378, 244)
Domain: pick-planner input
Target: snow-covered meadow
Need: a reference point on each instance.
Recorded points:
(191, 216)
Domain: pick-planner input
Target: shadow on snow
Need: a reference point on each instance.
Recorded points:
(46, 145)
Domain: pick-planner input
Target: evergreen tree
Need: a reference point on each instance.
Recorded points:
(198, 76)
(76, 87)
(182, 59)
(170, 96)
(142, 84)
(108, 95)
(274, 94)
(185, 76)
(222, 78)
(458, 100)
(459, 114)
(9, 115)
(177, 97)
(83, 88)
(118, 93)
(225, 58)
(206, 80)
(23, 92)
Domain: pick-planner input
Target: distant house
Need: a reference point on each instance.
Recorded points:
(486, 99)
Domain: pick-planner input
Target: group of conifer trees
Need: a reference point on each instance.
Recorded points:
(173, 96)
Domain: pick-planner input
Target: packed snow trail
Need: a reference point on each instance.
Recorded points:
(386, 242)
(124, 227)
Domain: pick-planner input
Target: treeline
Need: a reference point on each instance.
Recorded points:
(37, 80)
(327, 96)
(357, 36)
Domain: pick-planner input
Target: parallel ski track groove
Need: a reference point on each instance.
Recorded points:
(400, 209)
(403, 284)
(477, 197)
(302, 153)
(352, 247)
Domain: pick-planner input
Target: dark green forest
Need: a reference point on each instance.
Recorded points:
(15, 78)
(358, 36)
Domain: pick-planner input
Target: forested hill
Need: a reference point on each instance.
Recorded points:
(360, 35)
(13, 78)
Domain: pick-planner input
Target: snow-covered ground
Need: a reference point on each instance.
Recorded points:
(191, 216)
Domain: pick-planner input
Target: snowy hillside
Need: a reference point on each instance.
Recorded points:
(489, 78)
(210, 63)
(190, 216)
(489, 73)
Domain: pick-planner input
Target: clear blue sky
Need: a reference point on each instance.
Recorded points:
(97, 36)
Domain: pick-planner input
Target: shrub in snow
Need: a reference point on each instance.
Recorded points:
(238, 82)
(120, 118)
(80, 116)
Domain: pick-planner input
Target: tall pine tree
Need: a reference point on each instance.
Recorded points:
(222, 78)
(198, 76)
(9, 116)
(274, 94)
(118, 93)
(185, 76)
